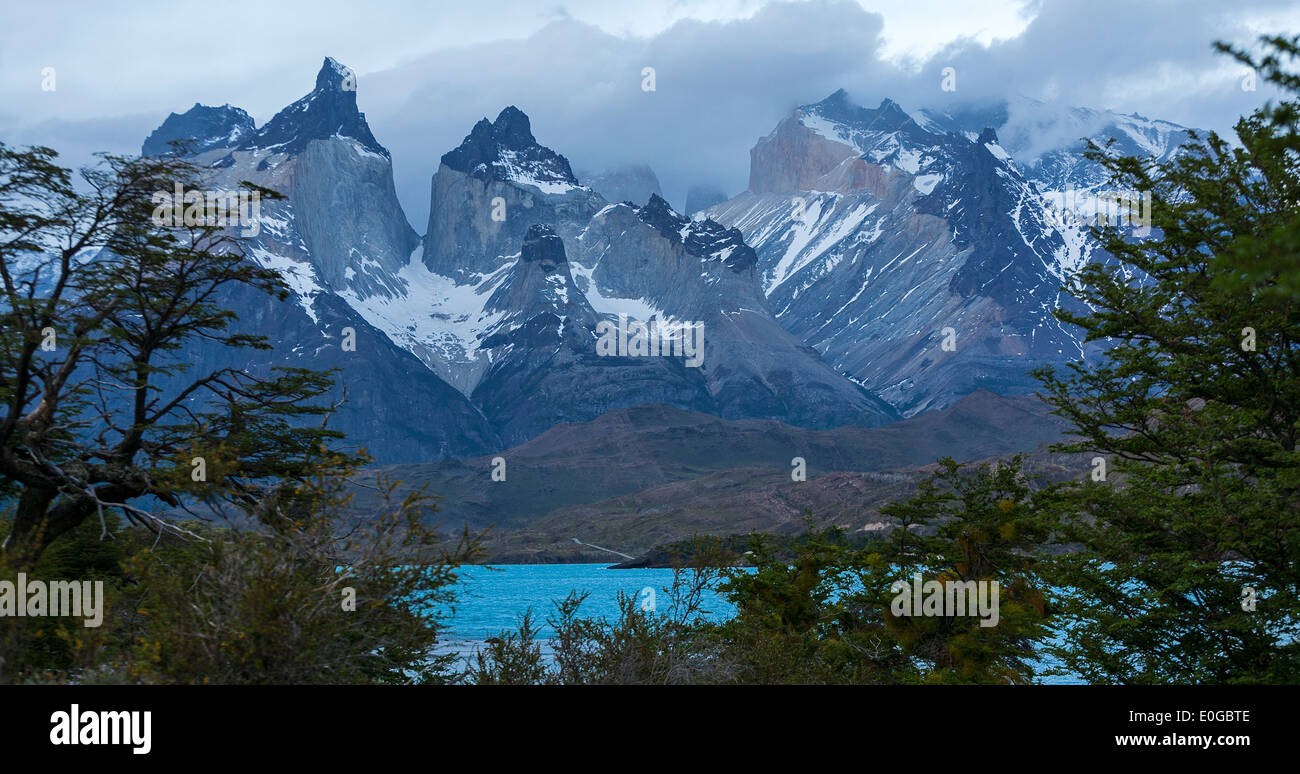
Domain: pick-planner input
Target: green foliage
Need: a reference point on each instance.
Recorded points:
(45, 649)
(264, 605)
(1199, 427)
(833, 606)
(273, 605)
(99, 307)
(986, 529)
(511, 658)
(810, 619)
(819, 609)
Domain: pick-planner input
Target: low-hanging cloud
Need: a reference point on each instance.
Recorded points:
(720, 85)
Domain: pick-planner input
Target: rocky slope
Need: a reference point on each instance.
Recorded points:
(921, 263)
(200, 129)
(631, 266)
(545, 367)
(338, 239)
(651, 474)
(486, 331)
(683, 271)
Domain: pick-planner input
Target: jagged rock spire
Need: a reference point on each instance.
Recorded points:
(330, 109)
(506, 150)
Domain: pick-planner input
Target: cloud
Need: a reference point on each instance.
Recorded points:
(1153, 57)
(721, 85)
(725, 73)
(78, 141)
(718, 87)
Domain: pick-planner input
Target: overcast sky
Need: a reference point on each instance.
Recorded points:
(726, 70)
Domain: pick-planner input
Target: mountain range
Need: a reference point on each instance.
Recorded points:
(881, 264)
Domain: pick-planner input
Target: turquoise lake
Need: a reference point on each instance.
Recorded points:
(492, 599)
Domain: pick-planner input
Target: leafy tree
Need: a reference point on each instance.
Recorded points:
(327, 595)
(986, 530)
(794, 623)
(511, 658)
(829, 616)
(40, 649)
(1196, 412)
(640, 646)
(98, 305)
(101, 415)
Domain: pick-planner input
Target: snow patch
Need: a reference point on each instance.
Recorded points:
(924, 184)
(998, 152)
(299, 276)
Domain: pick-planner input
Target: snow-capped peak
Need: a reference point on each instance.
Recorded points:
(329, 110)
(202, 127)
(506, 150)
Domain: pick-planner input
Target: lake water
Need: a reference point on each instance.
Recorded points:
(492, 599)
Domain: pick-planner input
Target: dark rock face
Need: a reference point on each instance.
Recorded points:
(544, 247)
(545, 365)
(702, 238)
(506, 150)
(976, 199)
(658, 214)
(204, 127)
(329, 110)
(341, 242)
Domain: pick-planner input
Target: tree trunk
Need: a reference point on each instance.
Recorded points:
(23, 544)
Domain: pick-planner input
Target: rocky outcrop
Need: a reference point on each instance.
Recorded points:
(330, 110)
(198, 130)
(488, 191)
(656, 263)
(343, 247)
(546, 366)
